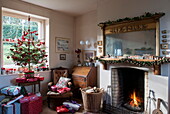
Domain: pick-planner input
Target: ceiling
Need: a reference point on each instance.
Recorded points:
(71, 7)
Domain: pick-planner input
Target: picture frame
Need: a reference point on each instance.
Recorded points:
(62, 56)
(164, 31)
(62, 44)
(164, 36)
(99, 43)
(87, 54)
(164, 46)
(165, 53)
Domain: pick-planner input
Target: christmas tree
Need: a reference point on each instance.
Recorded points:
(28, 51)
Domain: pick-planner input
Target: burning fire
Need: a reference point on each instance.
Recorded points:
(135, 101)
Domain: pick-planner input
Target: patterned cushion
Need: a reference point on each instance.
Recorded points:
(62, 82)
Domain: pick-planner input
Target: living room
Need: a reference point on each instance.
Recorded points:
(83, 32)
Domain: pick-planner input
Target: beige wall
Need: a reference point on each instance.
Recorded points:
(86, 29)
(116, 9)
(61, 25)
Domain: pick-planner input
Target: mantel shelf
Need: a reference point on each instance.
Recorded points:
(156, 64)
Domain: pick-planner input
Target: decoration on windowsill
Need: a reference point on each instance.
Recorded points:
(138, 62)
(28, 51)
(145, 16)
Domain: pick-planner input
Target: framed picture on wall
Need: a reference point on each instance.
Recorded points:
(164, 46)
(99, 43)
(87, 54)
(62, 44)
(62, 56)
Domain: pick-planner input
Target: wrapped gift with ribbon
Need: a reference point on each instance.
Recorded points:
(40, 78)
(63, 90)
(11, 90)
(62, 109)
(8, 106)
(21, 80)
(73, 104)
(32, 79)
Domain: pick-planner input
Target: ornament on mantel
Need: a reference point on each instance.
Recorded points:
(28, 51)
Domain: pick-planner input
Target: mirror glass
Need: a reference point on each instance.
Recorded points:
(131, 43)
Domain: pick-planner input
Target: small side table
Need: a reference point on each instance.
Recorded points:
(31, 83)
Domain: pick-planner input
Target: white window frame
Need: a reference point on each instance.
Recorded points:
(43, 30)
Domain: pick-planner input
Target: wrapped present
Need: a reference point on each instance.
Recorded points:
(73, 104)
(55, 88)
(61, 109)
(24, 100)
(10, 109)
(63, 90)
(14, 100)
(29, 98)
(11, 90)
(40, 78)
(21, 80)
(32, 79)
(1, 99)
(32, 107)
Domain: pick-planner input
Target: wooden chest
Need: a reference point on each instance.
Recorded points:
(84, 76)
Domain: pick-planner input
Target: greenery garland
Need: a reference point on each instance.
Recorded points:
(146, 15)
(135, 62)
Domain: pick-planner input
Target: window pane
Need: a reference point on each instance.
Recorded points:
(12, 30)
(8, 63)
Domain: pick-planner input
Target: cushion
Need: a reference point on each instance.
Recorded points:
(62, 82)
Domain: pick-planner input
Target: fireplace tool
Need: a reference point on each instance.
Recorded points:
(149, 99)
(158, 111)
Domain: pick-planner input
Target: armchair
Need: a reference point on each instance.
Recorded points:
(56, 73)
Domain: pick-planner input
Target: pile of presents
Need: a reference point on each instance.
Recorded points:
(15, 100)
(29, 77)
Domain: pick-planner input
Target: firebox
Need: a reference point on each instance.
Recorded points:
(128, 89)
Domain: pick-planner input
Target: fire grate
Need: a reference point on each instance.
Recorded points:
(117, 110)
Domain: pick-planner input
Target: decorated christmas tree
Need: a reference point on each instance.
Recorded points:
(28, 51)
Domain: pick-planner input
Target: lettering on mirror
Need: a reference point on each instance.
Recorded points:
(128, 28)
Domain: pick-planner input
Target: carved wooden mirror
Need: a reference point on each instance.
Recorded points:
(136, 36)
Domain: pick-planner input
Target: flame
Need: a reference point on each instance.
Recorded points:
(135, 101)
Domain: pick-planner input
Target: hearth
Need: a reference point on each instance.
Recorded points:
(127, 91)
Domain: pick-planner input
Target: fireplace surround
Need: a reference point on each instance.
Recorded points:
(150, 82)
(125, 81)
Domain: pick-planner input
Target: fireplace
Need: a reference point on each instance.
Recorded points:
(128, 91)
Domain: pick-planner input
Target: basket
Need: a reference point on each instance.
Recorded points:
(92, 101)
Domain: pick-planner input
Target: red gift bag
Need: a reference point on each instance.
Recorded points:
(32, 107)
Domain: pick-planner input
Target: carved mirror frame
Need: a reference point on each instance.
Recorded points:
(149, 23)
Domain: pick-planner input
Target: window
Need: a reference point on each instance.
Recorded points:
(14, 24)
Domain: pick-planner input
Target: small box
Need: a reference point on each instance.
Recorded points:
(20, 80)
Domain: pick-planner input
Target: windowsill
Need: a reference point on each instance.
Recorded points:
(17, 74)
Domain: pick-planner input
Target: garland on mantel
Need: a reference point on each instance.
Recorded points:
(136, 62)
(146, 15)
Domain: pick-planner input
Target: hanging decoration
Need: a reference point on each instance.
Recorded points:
(136, 62)
(145, 16)
(28, 51)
